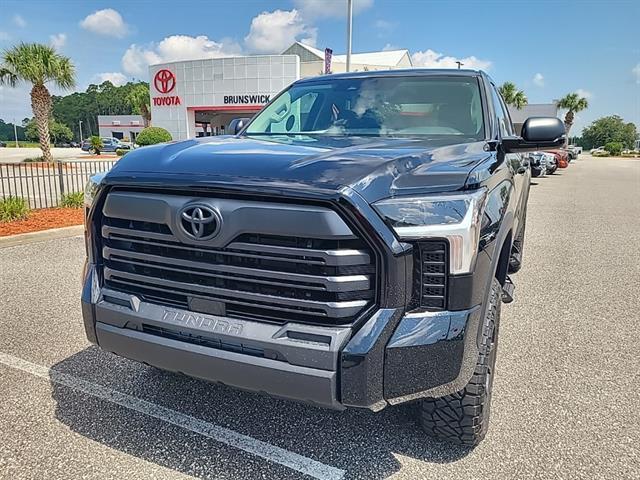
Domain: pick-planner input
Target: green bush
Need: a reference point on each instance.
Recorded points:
(601, 154)
(153, 135)
(13, 208)
(72, 200)
(96, 144)
(33, 159)
(614, 148)
(121, 152)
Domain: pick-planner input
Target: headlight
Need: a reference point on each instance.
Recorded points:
(456, 217)
(91, 188)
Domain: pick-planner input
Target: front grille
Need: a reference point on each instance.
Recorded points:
(256, 276)
(430, 275)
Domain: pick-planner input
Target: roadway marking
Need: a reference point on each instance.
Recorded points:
(229, 437)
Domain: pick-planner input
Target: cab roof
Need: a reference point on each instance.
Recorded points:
(404, 72)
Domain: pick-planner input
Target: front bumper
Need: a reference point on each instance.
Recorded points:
(392, 358)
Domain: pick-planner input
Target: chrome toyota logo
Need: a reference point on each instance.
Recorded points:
(200, 222)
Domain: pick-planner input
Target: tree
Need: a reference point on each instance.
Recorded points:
(140, 101)
(38, 64)
(31, 131)
(153, 135)
(103, 99)
(574, 103)
(609, 129)
(512, 96)
(58, 132)
(7, 133)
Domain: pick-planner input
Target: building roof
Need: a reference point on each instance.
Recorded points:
(387, 58)
(316, 51)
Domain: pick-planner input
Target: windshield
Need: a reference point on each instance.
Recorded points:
(412, 106)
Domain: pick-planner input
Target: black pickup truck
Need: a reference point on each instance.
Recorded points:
(350, 246)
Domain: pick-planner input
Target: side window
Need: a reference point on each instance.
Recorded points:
(290, 115)
(502, 114)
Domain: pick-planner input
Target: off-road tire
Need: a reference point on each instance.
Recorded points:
(463, 417)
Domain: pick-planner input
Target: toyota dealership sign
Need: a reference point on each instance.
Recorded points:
(164, 82)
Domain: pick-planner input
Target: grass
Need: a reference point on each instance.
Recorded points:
(72, 200)
(13, 208)
(12, 144)
(33, 160)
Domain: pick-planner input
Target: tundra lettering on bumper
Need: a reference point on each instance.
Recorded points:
(321, 365)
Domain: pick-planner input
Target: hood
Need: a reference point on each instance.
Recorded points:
(375, 167)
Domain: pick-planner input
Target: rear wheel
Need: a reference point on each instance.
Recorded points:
(463, 417)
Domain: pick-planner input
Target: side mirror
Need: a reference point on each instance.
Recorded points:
(538, 133)
(237, 124)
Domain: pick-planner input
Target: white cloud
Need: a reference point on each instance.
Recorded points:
(4, 36)
(58, 40)
(311, 9)
(273, 32)
(116, 78)
(538, 80)
(431, 59)
(636, 73)
(19, 21)
(389, 46)
(106, 22)
(137, 58)
(584, 93)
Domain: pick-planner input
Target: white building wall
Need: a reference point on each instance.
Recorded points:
(203, 84)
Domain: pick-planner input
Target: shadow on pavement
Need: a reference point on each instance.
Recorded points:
(362, 443)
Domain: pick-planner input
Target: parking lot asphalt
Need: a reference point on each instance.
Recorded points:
(565, 397)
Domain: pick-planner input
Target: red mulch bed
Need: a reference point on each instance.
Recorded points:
(43, 219)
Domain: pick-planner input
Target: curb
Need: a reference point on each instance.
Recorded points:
(41, 236)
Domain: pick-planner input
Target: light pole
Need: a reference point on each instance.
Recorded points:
(80, 126)
(15, 132)
(459, 64)
(349, 25)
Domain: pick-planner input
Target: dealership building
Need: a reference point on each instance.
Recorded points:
(200, 97)
(122, 127)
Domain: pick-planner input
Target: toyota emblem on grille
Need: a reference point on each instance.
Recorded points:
(200, 222)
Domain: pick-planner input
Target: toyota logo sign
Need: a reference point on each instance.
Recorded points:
(164, 81)
(200, 222)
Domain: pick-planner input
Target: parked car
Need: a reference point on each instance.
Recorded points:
(2, 144)
(562, 157)
(573, 151)
(552, 163)
(359, 261)
(109, 144)
(539, 162)
(597, 150)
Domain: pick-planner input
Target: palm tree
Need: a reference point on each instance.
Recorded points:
(38, 64)
(139, 100)
(573, 103)
(512, 96)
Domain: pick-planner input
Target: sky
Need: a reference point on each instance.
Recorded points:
(548, 48)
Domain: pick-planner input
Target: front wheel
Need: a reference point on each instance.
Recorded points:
(463, 417)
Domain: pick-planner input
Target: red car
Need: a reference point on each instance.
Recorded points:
(562, 157)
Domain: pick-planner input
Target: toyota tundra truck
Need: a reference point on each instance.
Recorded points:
(348, 247)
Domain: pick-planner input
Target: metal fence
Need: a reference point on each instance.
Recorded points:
(43, 185)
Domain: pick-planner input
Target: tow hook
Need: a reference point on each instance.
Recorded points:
(507, 290)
